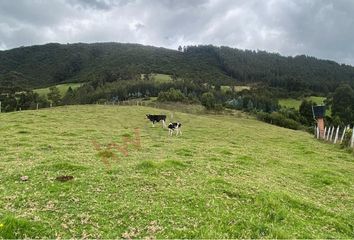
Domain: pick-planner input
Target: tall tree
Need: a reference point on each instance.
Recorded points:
(343, 103)
(305, 111)
(54, 95)
(69, 97)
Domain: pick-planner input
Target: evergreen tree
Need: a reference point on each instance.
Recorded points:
(54, 95)
(305, 111)
(343, 104)
(69, 97)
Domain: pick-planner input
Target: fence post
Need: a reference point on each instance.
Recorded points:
(328, 133)
(325, 132)
(0, 106)
(336, 137)
(37, 106)
(331, 137)
(344, 130)
(331, 133)
(318, 132)
(352, 142)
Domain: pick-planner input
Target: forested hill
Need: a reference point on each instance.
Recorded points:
(45, 65)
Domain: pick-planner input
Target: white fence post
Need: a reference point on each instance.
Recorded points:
(336, 137)
(352, 142)
(332, 132)
(330, 136)
(318, 132)
(344, 130)
(328, 133)
(324, 134)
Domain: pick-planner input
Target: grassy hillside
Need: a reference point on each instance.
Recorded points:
(50, 64)
(295, 103)
(62, 88)
(225, 177)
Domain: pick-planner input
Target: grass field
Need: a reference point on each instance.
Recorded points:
(159, 78)
(295, 103)
(225, 177)
(237, 88)
(62, 88)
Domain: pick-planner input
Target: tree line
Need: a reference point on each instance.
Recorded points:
(259, 100)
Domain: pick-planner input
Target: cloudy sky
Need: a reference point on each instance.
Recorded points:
(320, 28)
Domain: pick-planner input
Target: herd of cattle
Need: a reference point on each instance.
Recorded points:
(172, 127)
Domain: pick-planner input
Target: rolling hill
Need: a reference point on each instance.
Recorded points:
(52, 64)
(225, 177)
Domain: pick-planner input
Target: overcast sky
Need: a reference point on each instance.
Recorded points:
(320, 28)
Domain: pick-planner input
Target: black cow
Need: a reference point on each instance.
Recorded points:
(174, 127)
(157, 118)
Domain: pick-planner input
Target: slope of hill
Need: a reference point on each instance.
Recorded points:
(225, 177)
(50, 64)
(55, 63)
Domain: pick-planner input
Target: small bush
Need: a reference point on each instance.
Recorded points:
(171, 95)
(208, 100)
(278, 119)
(347, 137)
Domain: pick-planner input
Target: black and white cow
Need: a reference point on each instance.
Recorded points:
(174, 127)
(157, 118)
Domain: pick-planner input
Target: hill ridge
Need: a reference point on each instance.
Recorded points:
(54, 63)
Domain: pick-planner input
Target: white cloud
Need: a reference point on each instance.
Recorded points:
(322, 28)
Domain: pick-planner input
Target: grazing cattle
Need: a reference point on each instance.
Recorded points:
(157, 118)
(174, 127)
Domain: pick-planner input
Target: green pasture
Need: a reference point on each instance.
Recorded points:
(295, 103)
(237, 88)
(159, 78)
(225, 177)
(62, 88)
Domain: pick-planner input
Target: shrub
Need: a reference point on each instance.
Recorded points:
(171, 95)
(347, 137)
(208, 100)
(278, 119)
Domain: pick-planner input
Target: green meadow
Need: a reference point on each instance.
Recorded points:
(295, 103)
(159, 77)
(236, 88)
(225, 177)
(62, 88)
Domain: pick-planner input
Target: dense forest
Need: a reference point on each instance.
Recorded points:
(50, 64)
(115, 72)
